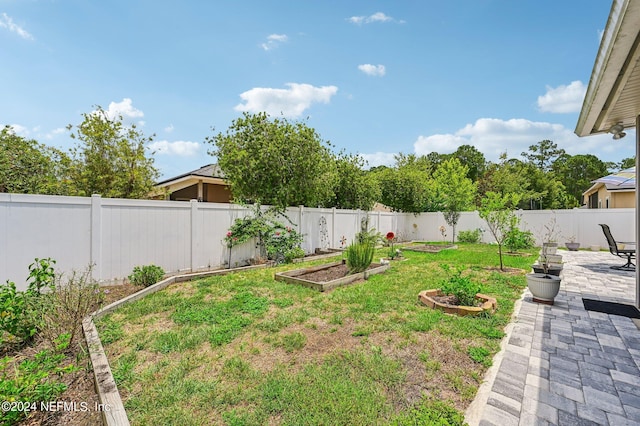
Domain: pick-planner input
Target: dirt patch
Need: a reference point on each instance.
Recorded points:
(506, 270)
(430, 248)
(331, 273)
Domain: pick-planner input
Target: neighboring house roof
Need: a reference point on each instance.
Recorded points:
(209, 174)
(209, 171)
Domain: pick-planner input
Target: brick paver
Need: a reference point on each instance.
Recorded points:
(562, 364)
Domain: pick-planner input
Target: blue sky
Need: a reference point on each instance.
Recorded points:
(373, 77)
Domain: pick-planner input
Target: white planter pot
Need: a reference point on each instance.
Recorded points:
(544, 288)
(550, 248)
(551, 258)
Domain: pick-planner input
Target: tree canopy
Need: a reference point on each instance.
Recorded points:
(275, 161)
(29, 167)
(110, 159)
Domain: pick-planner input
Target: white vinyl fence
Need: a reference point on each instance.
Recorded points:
(114, 235)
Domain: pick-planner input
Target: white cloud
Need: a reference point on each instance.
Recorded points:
(7, 22)
(20, 130)
(376, 17)
(291, 102)
(379, 159)
(375, 70)
(274, 41)
(125, 109)
(563, 99)
(55, 132)
(180, 148)
(493, 136)
(169, 128)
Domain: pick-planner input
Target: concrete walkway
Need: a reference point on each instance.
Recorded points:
(563, 365)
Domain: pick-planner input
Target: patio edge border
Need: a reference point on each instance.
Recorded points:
(114, 413)
(473, 413)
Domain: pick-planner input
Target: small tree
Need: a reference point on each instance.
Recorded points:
(455, 191)
(111, 158)
(497, 211)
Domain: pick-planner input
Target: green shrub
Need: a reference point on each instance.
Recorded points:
(146, 275)
(518, 240)
(471, 236)
(359, 256)
(282, 244)
(21, 312)
(461, 287)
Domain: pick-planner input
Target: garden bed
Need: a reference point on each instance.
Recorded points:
(329, 276)
(436, 300)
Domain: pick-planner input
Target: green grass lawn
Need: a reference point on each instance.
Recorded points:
(244, 349)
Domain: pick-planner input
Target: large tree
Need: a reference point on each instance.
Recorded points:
(577, 172)
(408, 187)
(29, 167)
(111, 158)
(355, 188)
(472, 158)
(275, 161)
(543, 154)
(455, 191)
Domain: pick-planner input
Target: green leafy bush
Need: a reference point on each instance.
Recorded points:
(21, 312)
(518, 240)
(359, 256)
(460, 286)
(146, 275)
(274, 240)
(471, 236)
(283, 244)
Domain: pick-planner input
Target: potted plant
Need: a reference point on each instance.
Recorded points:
(571, 244)
(544, 285)
(544, 282)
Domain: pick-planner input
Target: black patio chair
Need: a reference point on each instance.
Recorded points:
(613, 248)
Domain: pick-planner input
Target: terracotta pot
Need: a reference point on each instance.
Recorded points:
(544, 288)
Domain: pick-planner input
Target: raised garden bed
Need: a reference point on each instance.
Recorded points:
(327, 277)
(430, 298)
(429, 248)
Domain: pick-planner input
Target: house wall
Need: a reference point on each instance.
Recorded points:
(217, 193)
(617, 199)
(210, 193)
(624, 200)
(115, 235)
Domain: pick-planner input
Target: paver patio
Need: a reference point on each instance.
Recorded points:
(562, 364)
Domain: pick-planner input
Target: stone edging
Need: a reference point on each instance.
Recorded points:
(488, 304)
(114, 413)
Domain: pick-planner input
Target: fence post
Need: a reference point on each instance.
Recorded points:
(95, 255)
(333, 228)
(194, 234)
